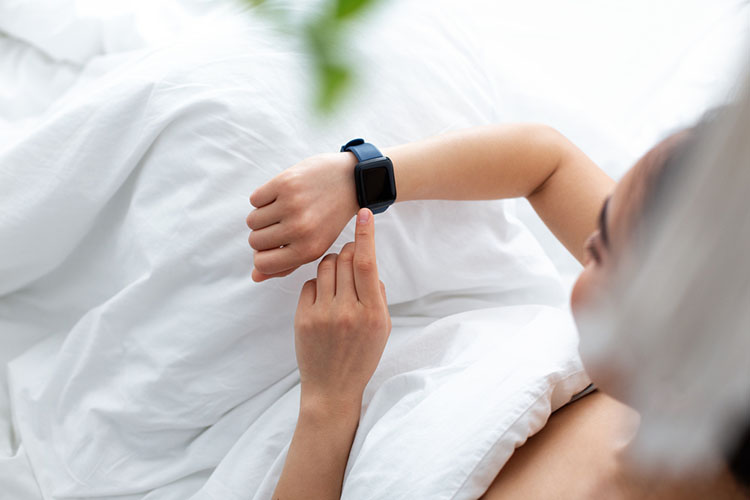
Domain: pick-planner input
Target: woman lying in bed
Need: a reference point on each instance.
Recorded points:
(342, 321)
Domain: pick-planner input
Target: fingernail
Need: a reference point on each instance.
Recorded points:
(364, 216)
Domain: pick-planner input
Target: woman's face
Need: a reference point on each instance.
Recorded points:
(606, 245)
(617, 218)
(602, 252)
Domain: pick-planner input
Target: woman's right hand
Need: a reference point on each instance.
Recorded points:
(342, 323)
(341, 327)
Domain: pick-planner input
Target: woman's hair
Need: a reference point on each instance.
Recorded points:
(676, 321)
(663, 166)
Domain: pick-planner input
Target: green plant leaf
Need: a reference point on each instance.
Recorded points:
(348, 8)
(324, 35)
(334, 79)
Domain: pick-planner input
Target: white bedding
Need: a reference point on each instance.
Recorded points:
(162, 374)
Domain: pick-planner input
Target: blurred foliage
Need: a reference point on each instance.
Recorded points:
(324, 35)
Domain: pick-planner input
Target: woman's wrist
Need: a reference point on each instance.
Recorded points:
(345, 163)
(323, 409)
(320, 448)
(400, 158)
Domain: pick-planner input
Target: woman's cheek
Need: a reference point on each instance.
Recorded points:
(598, 353)
(580, 291)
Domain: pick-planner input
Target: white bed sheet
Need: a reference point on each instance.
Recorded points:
(127, 247)
(614, 99)
(30, 82)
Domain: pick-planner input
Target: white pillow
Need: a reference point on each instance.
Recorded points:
(123, 214)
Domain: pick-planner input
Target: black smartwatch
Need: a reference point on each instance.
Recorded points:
(373, 176)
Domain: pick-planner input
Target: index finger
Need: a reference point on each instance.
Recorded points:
(365, 266)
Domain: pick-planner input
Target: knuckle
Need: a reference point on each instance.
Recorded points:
(302, 226)
(364, 264)
(283, 178)
(319, 322)
(309, 284)
(376, 322)
(347, 254)
(346, 320)
(349, 247)
(294, 202)
(262, 265)
(328, 262)
(291, 183)
(253, 239)
(292, 178)
(302, 323)
(363, 231)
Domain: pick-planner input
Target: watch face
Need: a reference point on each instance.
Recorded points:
(377, 181)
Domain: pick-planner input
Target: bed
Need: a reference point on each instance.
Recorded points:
(141, 362)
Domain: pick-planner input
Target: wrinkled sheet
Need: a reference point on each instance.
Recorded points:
(155, 369)
(165, 372)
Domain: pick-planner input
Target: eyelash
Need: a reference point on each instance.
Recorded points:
(592, 250)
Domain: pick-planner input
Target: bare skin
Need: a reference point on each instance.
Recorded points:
(582, 441)
(592, 434)
(582, 454)
(342, 319)
(301, 211)
(568, 191)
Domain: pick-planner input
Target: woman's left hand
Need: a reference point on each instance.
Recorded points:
(300, 213)
(342, 324)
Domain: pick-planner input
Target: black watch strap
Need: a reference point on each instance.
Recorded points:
(373, 176)
(362, 150)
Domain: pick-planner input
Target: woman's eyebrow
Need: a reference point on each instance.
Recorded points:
(603, 223)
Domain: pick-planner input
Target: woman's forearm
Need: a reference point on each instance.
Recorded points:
(480, 163)
(507, 161)
(318, 453)
(301, 211)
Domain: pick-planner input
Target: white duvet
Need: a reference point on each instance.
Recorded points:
(143, 363)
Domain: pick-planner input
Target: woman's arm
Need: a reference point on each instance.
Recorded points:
(317, 457)
(301, 211)
(508, 161)
(340, 330)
